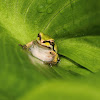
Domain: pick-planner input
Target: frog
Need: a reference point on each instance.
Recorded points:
(43, 48)
(47, 41)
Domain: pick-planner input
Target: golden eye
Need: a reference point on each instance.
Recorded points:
(52, 43)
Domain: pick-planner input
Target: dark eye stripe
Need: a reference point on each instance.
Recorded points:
(46, 41)
(51, 43)
(39, 37)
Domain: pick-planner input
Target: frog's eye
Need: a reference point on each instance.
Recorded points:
(39, 36)
(52, 43)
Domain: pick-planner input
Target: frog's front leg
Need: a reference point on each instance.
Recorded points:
(55, 58)
(27, 45)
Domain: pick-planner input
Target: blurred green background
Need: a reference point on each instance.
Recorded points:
(75, 26)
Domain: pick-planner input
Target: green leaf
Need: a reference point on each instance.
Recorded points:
(75, 26)
(63, 90)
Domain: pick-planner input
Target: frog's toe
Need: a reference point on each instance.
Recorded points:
(23, 46)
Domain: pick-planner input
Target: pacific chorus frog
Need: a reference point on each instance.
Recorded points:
(43, 48)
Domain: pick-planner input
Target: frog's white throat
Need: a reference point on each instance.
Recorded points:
(41, 52)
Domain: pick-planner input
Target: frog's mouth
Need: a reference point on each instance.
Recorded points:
(43, 45)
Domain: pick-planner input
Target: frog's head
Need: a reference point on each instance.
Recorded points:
(45, 40)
